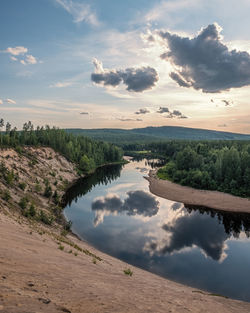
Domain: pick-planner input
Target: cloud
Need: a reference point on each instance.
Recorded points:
(173, 114)
(30, 59)
(142, 111)
(81, 12)
(165, 9)
(136, 79)
(16, 50)
(124, 119)
(10, 101)
(137, 202)
(13, 58)
(61, 85)
(163, 110)
(193, 230)
(205, 62)
(227, 102)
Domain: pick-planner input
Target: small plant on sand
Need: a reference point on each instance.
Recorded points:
(38, 187)
(94, 261)
(6, 195)
(45, 218)
(64, 233)
(22, 186)
(128, 272)
(67, 225)
(23, 203)
(61, 247)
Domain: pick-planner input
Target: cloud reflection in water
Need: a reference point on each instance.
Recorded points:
(191, 230)
(137, 202)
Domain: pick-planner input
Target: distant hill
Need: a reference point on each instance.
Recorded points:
(150, 134)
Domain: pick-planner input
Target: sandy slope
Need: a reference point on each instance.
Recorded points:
(36, 276)
(211, 199)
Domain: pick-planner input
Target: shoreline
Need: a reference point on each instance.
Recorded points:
(36, 275)
(209, 199)
(44, 271)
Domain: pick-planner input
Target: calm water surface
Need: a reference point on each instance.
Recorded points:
(115, 212)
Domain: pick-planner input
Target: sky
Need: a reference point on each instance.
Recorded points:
(126, 64)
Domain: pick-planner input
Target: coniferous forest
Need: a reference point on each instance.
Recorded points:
(211, 165)
(85, 152)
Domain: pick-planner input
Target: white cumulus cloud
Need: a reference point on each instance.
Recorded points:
(17, 50)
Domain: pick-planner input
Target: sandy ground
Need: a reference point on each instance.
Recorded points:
(36, 276)
(43, 271)
(211, 199)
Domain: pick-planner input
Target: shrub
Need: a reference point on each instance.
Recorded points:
(128, 272)
(23, 203)
(48, 191)
(6, 195)
(38, 188)
(22, 186)
(67, 225)
(45, 218)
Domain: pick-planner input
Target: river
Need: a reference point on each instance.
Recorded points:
(114, 211)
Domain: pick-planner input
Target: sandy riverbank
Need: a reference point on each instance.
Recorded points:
(41, 270)
(36, 276)
(211, 199)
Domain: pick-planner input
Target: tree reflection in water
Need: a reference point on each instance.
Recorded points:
(234, 223)
(102, 176)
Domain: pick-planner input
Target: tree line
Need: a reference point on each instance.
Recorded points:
(85, 152)
(212, 165)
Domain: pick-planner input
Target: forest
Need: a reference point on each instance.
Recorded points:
(222, 165)
(87, 153)
(210, 165)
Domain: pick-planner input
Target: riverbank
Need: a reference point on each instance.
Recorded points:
(211, 199)
(45, 269)
(40, 273)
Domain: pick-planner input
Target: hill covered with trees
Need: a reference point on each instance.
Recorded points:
(156, 134)
(87, 153)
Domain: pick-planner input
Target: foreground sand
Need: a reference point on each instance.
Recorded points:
(36, 276)
(211, 199)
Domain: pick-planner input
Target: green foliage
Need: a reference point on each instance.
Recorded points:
(38, 187)
(23, 203)
(9, 177)
(6, 195)
(48, 191)
(45, 218)
(86, 153)
(223, 166)
(60, 247)
(67, 225)
(128, 272)
(31, 212)
(137, 136)
(22, 186)
(56, 197)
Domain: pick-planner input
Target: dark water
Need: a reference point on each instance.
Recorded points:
(114, 211)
